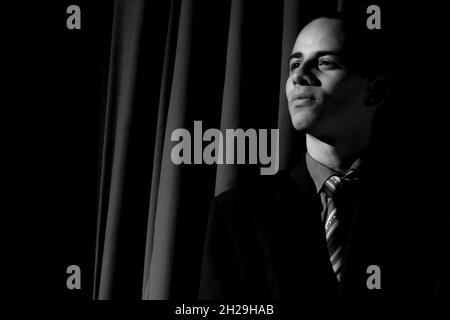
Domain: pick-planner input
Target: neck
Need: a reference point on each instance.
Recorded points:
(338, 155)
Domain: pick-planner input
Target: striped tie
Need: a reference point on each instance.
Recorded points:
(333, 186)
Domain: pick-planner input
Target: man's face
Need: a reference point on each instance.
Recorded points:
(325, 93)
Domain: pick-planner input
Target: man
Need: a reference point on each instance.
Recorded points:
(332, 227)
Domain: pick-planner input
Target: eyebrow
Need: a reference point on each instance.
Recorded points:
(297, 55)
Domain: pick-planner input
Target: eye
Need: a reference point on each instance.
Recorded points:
(326, 64)
(294, 65)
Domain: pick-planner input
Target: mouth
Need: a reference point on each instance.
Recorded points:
(302, 97)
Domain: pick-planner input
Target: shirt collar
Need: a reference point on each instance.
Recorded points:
(320, 172)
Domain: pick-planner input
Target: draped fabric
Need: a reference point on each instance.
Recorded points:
(224, 63)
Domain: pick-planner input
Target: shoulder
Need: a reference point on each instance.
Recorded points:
(257, 187)
(255, 199)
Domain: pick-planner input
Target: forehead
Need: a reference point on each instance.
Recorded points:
(325, 34)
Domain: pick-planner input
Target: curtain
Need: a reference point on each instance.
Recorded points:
(224, 63)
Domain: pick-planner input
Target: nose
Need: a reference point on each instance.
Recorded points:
(302, 77)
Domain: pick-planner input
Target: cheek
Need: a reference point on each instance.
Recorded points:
(289, 86)
(344, 90)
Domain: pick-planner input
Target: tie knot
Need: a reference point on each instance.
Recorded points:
(334, 184)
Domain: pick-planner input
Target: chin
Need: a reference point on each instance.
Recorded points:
(301, 121)
(301, 126)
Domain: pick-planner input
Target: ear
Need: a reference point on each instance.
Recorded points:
(377, 91)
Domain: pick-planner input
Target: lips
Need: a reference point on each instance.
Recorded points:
(302, 96)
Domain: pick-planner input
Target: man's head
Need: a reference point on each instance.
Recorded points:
(332, 92)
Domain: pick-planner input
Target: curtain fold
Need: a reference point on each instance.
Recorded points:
(127, 24)
(159, 142)
(168, 196)
(291, 25)
(227, 175)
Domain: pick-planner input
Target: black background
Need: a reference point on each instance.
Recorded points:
(53, 122)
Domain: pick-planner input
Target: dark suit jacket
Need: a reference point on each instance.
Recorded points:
(265, 240)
